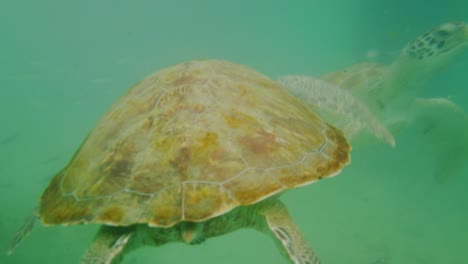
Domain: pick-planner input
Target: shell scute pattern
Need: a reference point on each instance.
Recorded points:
(191, 142)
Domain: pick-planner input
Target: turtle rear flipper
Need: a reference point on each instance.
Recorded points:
(24, 231)
(444, 125)
(108, 245)
(288, 236)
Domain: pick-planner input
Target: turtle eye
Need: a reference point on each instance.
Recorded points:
(448, 29)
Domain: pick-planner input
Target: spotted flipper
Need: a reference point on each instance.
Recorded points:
(337, 106)
(108, 245)
(24, 231)
(288, 236)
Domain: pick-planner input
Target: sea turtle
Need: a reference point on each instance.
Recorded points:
(194, 151)
(391, 93)
(389, 90)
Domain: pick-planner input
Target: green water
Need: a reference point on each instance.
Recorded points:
(63, 63)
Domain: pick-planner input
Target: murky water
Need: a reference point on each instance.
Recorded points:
(63, 64)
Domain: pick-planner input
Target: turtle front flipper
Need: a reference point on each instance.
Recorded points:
(108, 245)
(24, 231)
(288, 236)
(337, 106)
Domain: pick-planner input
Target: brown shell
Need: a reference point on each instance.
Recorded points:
(191, 142)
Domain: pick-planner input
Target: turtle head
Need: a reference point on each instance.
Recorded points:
(423, 56)
(440, 43)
